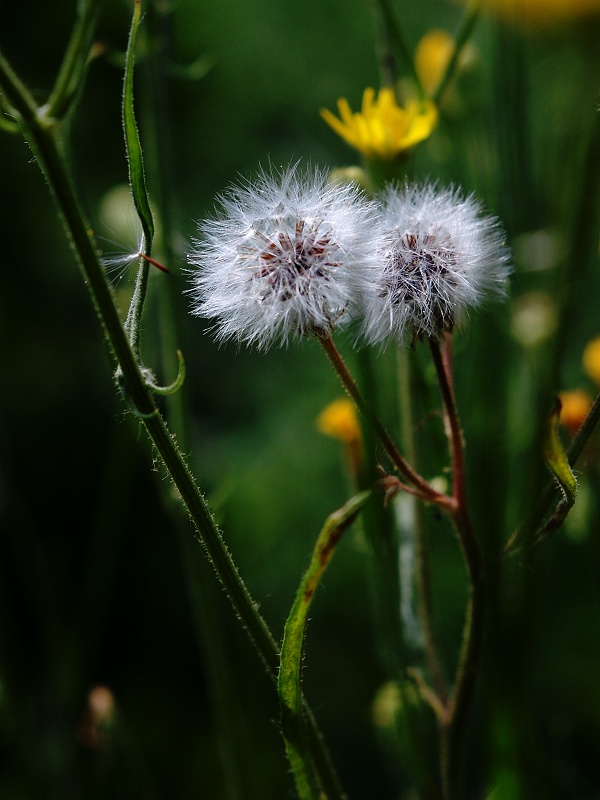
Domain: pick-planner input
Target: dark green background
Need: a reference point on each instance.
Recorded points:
(98, 583)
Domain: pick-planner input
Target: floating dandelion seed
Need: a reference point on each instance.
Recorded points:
(286, 258)
(119, 262)
(442, 257)
(126, 240)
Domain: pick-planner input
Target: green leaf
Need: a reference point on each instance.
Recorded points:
(556, 456)
(290, 661)
(137, 179)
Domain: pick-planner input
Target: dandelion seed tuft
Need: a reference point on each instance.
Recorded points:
(285, 258)
(442, 256)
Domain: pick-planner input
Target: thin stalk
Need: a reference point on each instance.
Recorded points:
(455, 725)
(463, 35)
(161, 168)
(398, 34)
(136, 306)
(72, 71)
(44, 137)
(422, 572)
(45, 140)
(423, 489)
(442, 360)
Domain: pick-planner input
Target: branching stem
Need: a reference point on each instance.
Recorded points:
(424, 490)
(44, 137)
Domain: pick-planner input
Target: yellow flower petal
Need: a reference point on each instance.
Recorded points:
(345, 111)
(367, 102)
(383, 129)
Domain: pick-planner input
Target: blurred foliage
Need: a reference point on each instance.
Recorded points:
(98, 585)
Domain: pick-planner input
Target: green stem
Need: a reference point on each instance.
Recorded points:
(458, 709)
(463, 35)
(161, 169)
(398, 34)
(72, 71)
(44, 138)
(290, 670)
(422, 576)
(137, 183)
(136, 306)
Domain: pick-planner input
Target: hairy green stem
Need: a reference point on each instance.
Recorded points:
(72, 71)
(154, 85)
(44, 137)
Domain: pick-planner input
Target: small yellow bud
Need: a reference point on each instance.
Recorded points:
(432, 57)
(575, 406)
(591, 359)
(339, 421)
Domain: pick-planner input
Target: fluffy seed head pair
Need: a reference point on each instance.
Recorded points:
(291, 255)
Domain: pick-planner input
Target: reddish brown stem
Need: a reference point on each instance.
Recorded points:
(424, 490)
(455, 724)
(154, 262)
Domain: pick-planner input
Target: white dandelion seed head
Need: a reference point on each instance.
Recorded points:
(443, 256)
(287, 257)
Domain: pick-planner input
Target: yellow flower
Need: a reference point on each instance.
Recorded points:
(540, 12)
(339, 421)
(591, 359)
(575, 406)
(383, 129)
(432, 57)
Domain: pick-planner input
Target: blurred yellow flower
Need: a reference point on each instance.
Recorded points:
(386, 705)
(541, 12)
(591, 359)
(432, 57)
(383, 129)
(575, 406)
(339, 421)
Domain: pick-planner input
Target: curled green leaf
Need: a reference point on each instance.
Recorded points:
(290, 661)
(137, 178)
(556, 456)
(177, 383)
